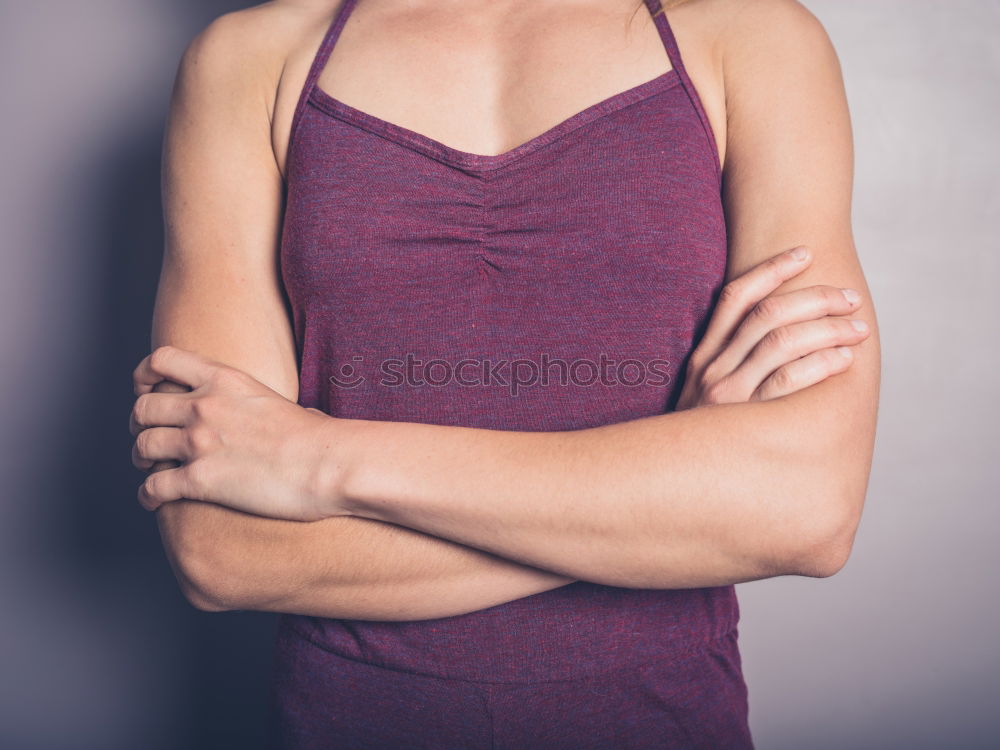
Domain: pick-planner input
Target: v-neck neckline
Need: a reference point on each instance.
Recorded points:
(486, 162)
(313, 94)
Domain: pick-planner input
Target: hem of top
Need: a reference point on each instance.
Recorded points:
(684, 648)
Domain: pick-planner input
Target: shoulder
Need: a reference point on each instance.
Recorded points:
(245, 51)
(264, 31)
(734, 50)
(240, 45)
(250, 64)
(775, 18)
(760, 64)
(781, 75)
(759, 38)
(751, 29)
(790, 159)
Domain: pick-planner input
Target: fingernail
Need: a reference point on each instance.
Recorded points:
(851, 296)
(800, 253)
(859, 325)
(845, 351)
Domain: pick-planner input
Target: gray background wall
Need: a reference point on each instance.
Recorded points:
(99, 650)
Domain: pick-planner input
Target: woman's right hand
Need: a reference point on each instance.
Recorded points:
(759, 347)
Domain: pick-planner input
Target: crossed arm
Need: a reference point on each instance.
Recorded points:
(735, 491)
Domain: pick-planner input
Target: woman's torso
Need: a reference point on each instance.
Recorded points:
(592, 249)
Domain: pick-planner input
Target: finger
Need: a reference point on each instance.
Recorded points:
(779, 310)
(788, 343)
(745, 291)
(163, 487)
(169, 386)
(159, 444)
(804, 372)
(171, 363)
(160, 410)
(164, 465)
(164, 386)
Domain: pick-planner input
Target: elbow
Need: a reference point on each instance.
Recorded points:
(203, 599)
(201, 571)
(823, 561)
(211, 585)
(203, 585)
(824, 542)
(825, 527)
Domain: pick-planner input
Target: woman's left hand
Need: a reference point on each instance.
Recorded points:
(238, 442)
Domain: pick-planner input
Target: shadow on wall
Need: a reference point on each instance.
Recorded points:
(204, 675)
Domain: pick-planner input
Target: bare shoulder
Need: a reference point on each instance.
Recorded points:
(783, 85)
(252, 64)
(763, 38)
(734, 48)
(244, 49)
(789, 175)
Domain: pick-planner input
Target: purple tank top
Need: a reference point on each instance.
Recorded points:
(601, 240)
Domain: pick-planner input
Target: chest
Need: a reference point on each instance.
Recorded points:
(603, 243)
(509, 71)
(622, 199)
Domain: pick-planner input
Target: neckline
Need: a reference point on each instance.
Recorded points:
(487, 162)
(313, 94)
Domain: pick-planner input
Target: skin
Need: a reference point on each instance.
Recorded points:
(738, 486)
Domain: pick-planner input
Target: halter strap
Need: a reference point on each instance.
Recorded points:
(322, 55)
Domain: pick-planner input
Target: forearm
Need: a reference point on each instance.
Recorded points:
(702, 497)
(340, 567)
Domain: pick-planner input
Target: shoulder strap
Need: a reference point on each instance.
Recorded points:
(666, 33)
(322, 55)
(674, 53)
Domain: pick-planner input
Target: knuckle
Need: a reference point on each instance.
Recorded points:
(838, 329)
(731, 293)
(695, 364)
(768, 308)
(780, 339)
(143, 444)
(160, 357)
(783, 379)
(151, 485)
(776, 266)
(140, 411)
(199, 440)
(203, 407)
(706, 379)
(714, 394)
(716, 370)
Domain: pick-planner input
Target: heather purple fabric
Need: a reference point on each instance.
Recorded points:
(429, 284)
(691, 700)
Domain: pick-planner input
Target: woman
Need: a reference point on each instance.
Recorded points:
(496, 408)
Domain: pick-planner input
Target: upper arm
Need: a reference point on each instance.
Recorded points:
(219, 292)
(788, 181)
